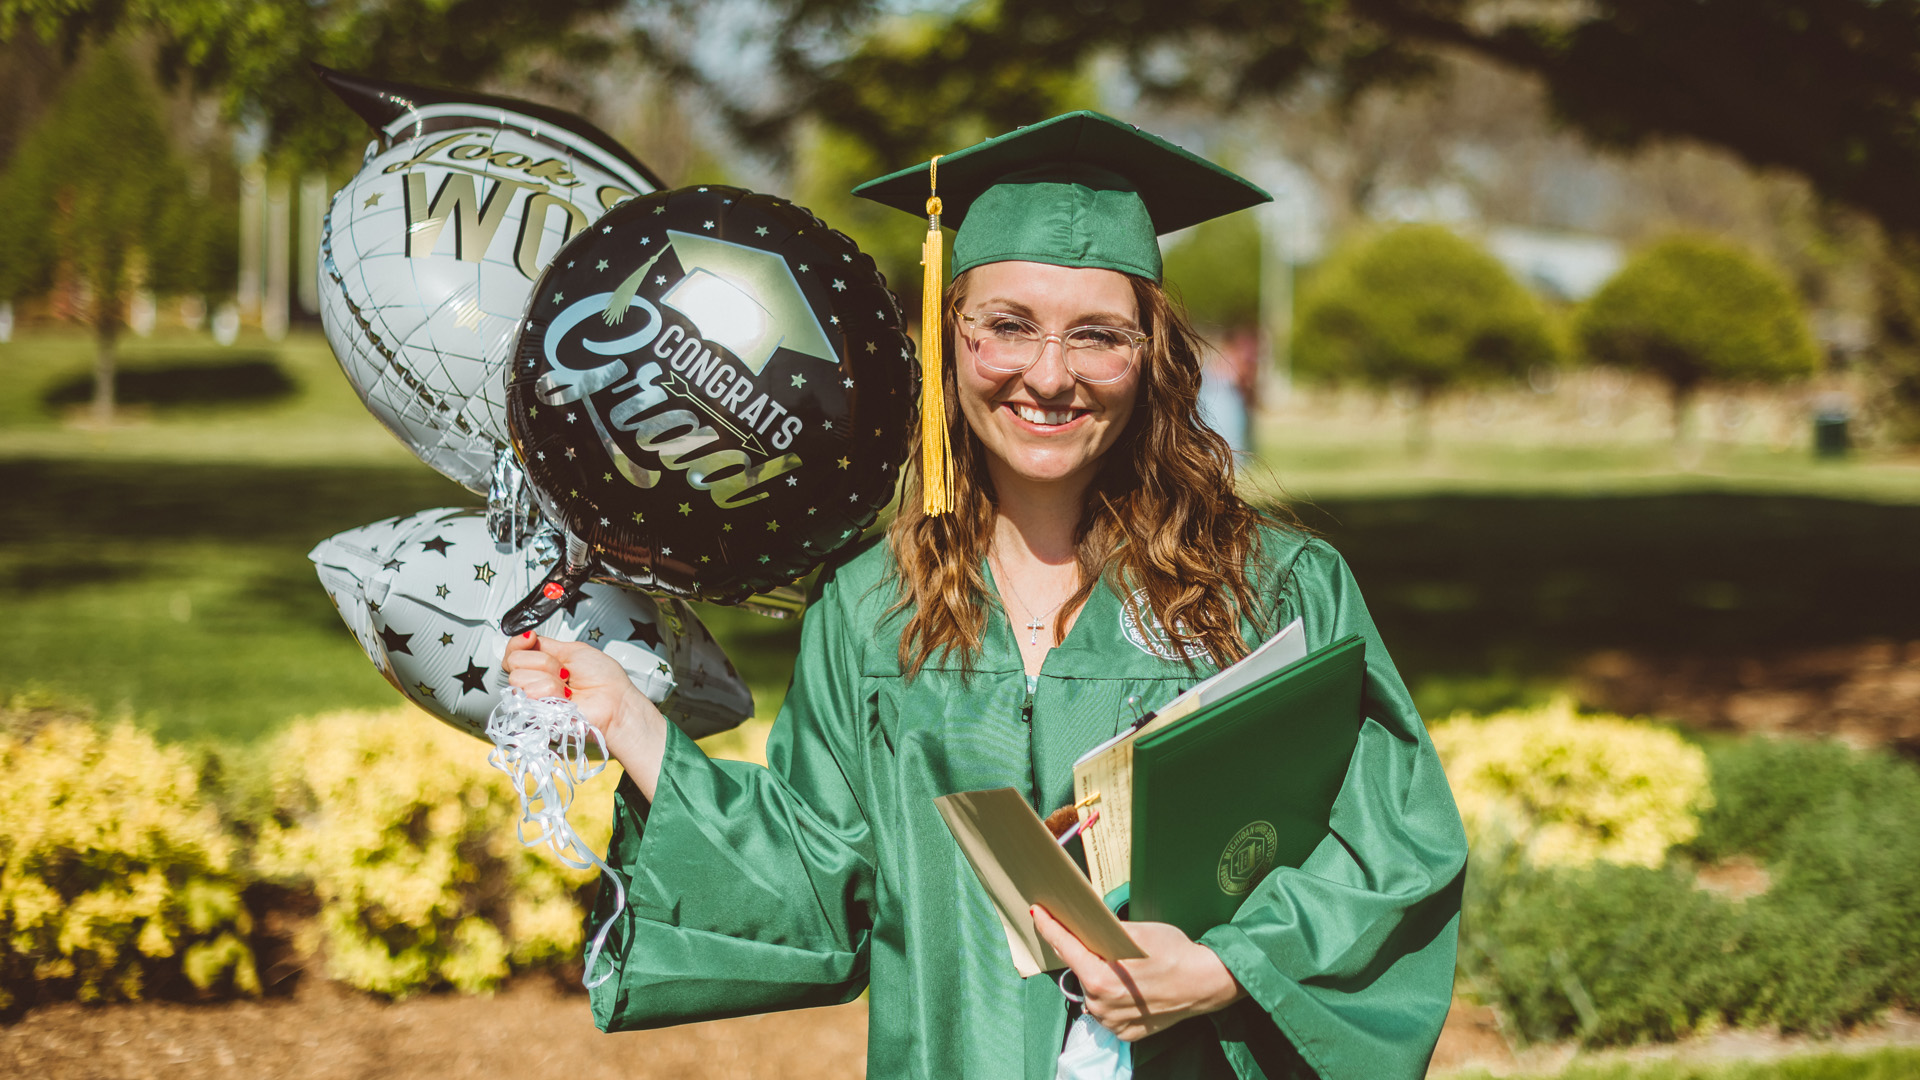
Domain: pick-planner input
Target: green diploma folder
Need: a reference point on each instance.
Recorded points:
(1241, 786)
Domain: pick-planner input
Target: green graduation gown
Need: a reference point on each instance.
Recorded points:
(829, 871)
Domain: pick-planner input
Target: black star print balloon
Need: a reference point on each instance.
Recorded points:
(422, 595)
(712, 391)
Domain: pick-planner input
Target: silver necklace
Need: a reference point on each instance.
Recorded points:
(1034, 623)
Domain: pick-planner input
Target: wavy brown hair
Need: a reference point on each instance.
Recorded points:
(1161, 515)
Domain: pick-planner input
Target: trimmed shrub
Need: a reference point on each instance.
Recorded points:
(1693, 310)
(1607, 953)
(1216, 270)
(1573, 789)
(114, 874)
(1841, 925)
(1420, 307)
(408, 838)
(1621, 953)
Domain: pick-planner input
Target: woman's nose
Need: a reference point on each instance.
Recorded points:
(1049, 376)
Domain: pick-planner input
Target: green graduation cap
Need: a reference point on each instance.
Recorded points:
(1079, 190)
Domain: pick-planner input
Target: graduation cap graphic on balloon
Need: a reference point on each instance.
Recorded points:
(743, 298)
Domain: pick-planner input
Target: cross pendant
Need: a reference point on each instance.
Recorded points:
(1035, 626)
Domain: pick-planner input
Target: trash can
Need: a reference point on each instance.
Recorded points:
(1832, 415)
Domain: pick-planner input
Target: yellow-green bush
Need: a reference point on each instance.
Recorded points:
(407, 837)
(113, 871)
(1572, 789)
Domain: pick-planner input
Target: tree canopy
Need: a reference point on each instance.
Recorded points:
(1693, 310)
(255, 53)
(1824, 88)
(1421, 307)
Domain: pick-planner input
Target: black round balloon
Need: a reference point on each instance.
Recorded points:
(713, 391)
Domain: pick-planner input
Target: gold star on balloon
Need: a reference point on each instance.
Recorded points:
(373, 200)
(483, 573)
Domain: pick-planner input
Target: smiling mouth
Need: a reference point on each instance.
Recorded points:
(1046, 417)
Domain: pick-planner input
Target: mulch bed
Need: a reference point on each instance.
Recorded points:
(1867, 694)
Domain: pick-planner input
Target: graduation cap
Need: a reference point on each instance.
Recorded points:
(1079, 190)
(745, 298)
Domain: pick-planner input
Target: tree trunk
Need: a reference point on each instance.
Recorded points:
(1420, 422)
(106, 335)
(1682, 410)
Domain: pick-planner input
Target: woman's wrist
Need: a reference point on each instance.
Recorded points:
(637, 738)
(1223, 989)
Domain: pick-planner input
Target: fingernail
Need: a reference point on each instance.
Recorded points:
(528, 634)
(568, 692)
(564, 673)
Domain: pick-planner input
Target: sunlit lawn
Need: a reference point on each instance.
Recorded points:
(1886, 1064)
(159, 566)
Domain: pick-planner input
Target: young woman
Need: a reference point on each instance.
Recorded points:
(1095, 550)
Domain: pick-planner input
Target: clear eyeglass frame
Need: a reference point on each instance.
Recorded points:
(1033, 341)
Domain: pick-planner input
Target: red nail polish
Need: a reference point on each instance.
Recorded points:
(567, 691)
(564, 673)
(528, 634)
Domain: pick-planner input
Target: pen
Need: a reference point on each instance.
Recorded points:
(1077, 826)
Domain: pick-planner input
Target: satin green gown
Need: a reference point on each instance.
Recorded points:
(829, 871)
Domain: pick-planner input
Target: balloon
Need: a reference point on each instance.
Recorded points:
(429, 254)
(422, 594)
(712, 391)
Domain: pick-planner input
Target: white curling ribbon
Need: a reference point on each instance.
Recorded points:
(542, 744)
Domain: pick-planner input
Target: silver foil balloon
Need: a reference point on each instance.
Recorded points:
(429, 254)
(423, 596)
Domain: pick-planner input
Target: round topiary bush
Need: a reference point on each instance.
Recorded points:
(1573, 789)
(1693, 310)
(1423, 308)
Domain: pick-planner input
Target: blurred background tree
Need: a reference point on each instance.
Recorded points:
(1215, 269)
(1418, 308)
(255, 53)
(1825, 90)
(1693, 310)
(1895, 361)
(98, 203)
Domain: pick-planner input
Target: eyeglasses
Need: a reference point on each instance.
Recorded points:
(1008, 344)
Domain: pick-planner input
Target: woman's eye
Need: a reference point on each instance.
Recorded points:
(1009, 328)
(1098, 337)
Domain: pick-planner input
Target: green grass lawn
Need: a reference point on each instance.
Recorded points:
(1889, 1064)
(159, 566)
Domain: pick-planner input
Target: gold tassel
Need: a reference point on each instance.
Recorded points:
(936, 453)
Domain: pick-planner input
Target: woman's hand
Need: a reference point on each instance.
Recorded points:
(599, 688)
(1136, 998)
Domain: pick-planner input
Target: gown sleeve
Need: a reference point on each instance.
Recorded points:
(750, 888)
(1351, 956)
